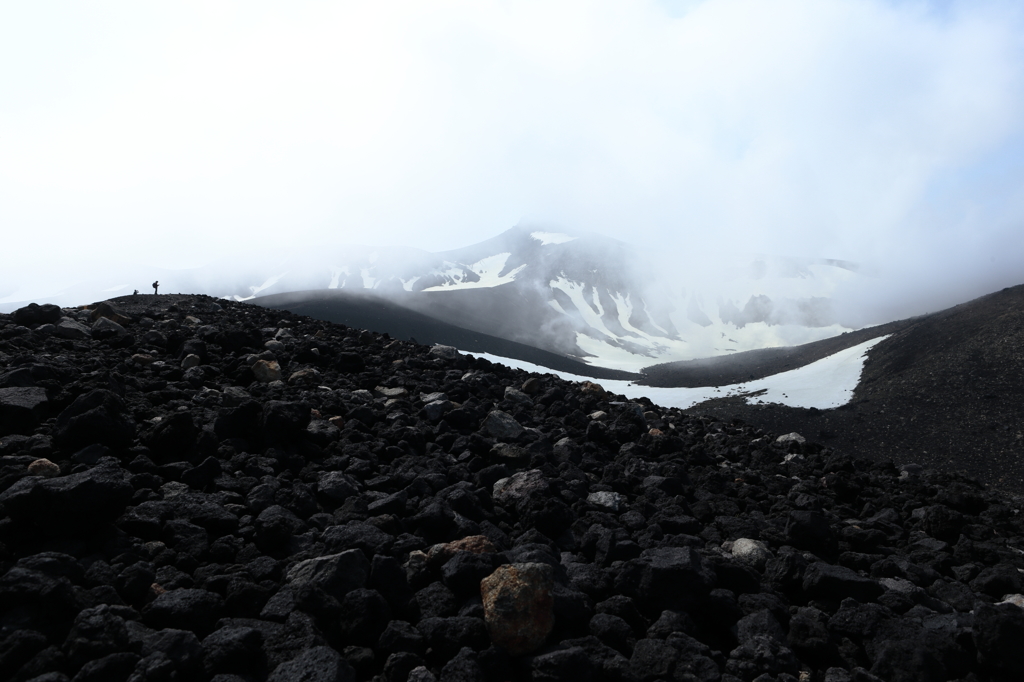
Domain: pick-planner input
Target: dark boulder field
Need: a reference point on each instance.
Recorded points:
(197, 489)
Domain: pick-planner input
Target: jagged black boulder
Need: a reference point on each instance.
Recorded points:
(95, 417)
(67, 504)
(34, 313)
(21, 409)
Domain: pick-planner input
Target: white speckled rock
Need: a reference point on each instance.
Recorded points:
(606, 500)
(751, 552)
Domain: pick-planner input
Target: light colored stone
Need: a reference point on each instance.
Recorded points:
(511, 454)
(421, 674)
(385, 392)
(69, 329)
(444, 352)
(517, 396)
(606, 500)
(105, 328)
(304, 376)
(1015, 599)
(435, 410)
(900, 585)
(751, 552)
(790, 438)
(502, 425)
(510, 490)
(564, 448)
(519, 606)
(190, 360)
(143, 359)
(267, 371)
(274, 345)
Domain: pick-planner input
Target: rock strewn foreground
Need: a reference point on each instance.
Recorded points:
(195, 489)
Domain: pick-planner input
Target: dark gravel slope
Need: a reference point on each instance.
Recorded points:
(737, 368)
(366, 311)
(946, 391)
(220, 491)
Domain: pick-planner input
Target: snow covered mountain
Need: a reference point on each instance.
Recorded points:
(588, 296)
(584, 296)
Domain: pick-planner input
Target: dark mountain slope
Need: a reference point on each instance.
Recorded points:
(366, 311)
(945, 391)
(757, 364)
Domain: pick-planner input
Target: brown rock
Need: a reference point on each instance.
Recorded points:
(337, 421)
(476, 544)
(267, 371)
(591, 387)
(43, 467)
(531, 386)
(303, 376)
(519, 606)
(143, 359)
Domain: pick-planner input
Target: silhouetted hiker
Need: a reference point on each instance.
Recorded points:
(135, 293)
(156, 285)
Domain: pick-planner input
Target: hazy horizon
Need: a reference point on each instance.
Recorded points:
(142, 138)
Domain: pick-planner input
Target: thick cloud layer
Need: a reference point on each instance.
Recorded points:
(889, 133)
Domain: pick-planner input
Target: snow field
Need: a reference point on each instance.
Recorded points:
(825, 384)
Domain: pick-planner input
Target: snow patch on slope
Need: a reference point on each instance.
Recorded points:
(369, 281)
(825, 384)
(546, 238)
(487, 269)
(577, 294)
(266, 285)
(336, 277)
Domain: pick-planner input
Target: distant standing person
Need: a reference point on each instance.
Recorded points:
(156, 285)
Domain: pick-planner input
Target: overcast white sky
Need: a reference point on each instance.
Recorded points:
(172, 133)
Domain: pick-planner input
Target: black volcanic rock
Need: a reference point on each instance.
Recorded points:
(95, 417)
(22, 408)
(34, 313)
(227, 539)
(68, 504)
